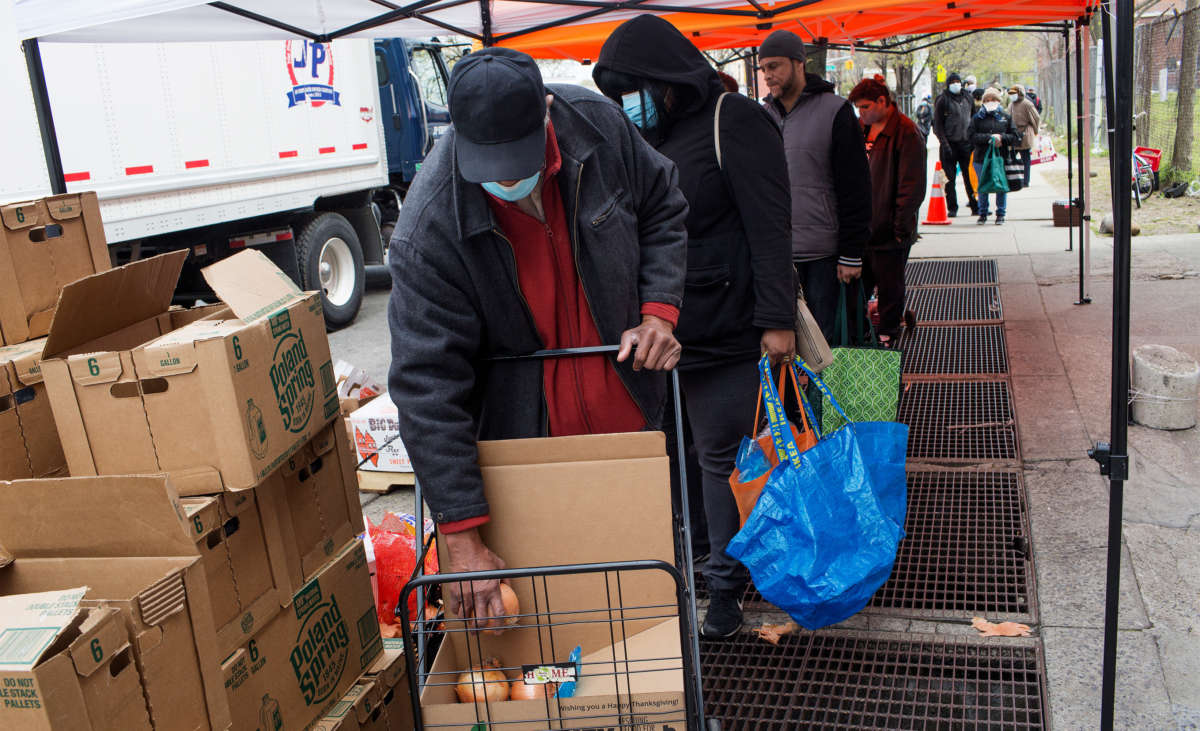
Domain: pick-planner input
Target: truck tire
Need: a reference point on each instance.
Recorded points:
(330, 260)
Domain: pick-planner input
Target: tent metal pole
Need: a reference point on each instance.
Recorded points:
(1070, 163)
(485, 22)
(41, 103)
(1081, 129)
(258, 18)
(1109, 115)
(1113, 457)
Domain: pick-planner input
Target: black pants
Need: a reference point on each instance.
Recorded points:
(720, 411)
(695, 486)
(956, 156)
(1026, 158)
(884, 269)
(818, 279)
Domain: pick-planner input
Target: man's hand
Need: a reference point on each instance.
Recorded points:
(478, 599)
(847, 274)
(657, 348)
(779, 345)
(996, 140)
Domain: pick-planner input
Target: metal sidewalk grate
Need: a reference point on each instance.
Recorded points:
(843, 679)
(955, 304)
(977, 350)
(966, 552)
(959, 421)
(967, 549)
(951, 272)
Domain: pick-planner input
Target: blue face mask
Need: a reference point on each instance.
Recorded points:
(519, 190)
(644, 116)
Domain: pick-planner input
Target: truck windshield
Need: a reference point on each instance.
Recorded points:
(429, 76)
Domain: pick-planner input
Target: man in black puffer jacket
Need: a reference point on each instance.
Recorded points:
(951, 116)
(739, 297)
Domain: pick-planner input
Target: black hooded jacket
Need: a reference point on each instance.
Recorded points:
(739, 275)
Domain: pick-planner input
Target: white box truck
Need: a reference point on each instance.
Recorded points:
(301, 148)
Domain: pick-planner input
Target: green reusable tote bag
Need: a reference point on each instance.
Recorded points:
(865, 378)
(992, 177)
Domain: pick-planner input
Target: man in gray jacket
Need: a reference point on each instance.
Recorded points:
(541, 220)
(828, 173)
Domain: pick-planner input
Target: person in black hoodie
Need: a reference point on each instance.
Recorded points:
(739, 293)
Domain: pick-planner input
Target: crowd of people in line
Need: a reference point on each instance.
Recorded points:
(668, 214)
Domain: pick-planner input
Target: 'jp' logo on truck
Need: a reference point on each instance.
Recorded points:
(308, 65)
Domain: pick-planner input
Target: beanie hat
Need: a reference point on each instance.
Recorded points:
(992, 94)
(953, 77)
(782, 43)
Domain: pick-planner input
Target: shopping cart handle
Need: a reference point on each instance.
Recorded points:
(560, 353)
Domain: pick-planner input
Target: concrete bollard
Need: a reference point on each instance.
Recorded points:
(1165, 383)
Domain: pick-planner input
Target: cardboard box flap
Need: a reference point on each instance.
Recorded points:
(109, 301)
(30, 623)
(251, 285)
(93, 517)
(24, 214)
(64, 207)
(583, 448)
(102, 635)
(26, 360)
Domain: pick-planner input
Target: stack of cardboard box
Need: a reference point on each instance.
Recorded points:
(212, 504)
(44, 245)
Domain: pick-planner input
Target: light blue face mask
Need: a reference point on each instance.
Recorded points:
(519, 190)
(644, 116)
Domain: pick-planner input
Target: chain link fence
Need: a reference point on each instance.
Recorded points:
(1159, 63)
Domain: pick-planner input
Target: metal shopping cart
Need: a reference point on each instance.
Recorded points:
(643, 612)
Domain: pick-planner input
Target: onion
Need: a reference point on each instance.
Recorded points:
(484, 684)
(522, 691)
(511, 606)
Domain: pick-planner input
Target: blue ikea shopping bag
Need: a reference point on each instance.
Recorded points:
(823, 536)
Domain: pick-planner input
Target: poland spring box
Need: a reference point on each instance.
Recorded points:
(219, 403)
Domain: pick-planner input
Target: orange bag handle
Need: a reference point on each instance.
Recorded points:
(783, 373)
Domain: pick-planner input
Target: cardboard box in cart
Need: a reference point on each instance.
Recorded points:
(308, 656)
(45, 245)
(567, 500)
(64, 667)
(218, 403)
(122, 538)
(29, 445)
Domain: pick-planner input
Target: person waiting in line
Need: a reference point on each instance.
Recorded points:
(542, 219)
(828, 173)
(951, 117)
(896, 149)
(991, 128)
(924, 116)
(739, 298)
(1026, 119)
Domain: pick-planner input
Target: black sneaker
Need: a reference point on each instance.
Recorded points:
(974, 207)
(724, 617)
(999, 220)
(951, 214)
(981, 220)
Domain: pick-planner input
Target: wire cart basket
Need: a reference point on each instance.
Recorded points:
(643, 612)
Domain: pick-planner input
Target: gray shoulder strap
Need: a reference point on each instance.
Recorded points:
(717, 127)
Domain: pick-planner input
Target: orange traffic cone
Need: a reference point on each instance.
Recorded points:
(936, 215)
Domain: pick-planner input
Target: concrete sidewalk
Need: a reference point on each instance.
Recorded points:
(1060, 359)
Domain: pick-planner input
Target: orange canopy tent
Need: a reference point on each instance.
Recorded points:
(848, 22)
